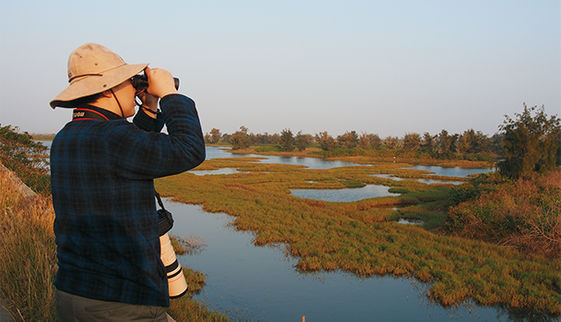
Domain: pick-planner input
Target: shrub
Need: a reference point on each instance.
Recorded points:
(525, 214)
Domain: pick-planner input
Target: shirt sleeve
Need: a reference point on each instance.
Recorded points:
(147, 123)
(139, 154)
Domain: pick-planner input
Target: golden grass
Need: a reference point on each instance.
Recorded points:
(28, 261)
(360, 237)
(28, 254)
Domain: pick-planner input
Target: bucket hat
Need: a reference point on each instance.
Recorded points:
(92, 69)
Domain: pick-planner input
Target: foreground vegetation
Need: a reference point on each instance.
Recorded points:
(28, 265)
(362, 237)
(28, 251)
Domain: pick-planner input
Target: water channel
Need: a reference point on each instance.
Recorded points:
(260, 283)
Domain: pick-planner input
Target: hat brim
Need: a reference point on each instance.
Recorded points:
(90, 85)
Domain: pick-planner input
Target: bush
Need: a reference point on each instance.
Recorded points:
(27, 158)
(525, 214)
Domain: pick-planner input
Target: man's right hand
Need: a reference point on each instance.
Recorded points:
(160, 82)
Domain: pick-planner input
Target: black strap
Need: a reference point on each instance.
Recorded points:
(159, 199)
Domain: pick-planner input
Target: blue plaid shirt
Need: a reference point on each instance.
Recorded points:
(102, 181)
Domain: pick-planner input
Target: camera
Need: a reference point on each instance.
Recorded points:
(140, 82)
(177, 284)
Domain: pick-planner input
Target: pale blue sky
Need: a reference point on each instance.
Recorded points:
(385, 67)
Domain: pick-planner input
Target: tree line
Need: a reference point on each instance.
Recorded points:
(530, 141)
(470, 144)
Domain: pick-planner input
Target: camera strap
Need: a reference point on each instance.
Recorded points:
(165, 219)
(87, 114)
(159, 200)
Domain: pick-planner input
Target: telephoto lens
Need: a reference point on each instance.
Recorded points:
(177, 284)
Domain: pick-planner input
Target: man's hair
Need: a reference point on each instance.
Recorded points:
(85, 99)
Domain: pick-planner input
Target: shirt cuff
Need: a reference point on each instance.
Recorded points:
(145, 122)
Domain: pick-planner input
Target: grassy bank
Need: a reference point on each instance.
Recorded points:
(362, 237)
(28, 264)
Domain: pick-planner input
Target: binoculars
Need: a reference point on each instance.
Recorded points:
(140, 82)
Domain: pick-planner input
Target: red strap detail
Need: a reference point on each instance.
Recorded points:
(86, 109)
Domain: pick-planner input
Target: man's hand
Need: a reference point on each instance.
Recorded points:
(160, 82)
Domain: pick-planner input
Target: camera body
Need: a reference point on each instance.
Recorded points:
(140, 82)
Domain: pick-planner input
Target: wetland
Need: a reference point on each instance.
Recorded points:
(322, 249)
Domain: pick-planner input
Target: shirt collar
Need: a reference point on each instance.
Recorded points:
(87, 111)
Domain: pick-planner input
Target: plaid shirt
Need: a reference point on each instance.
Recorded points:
(102, 177)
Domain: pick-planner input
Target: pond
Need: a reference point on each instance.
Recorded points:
(216, 172)
(427, 181)
(214, 152)
(260, 283)
(450, 172)
(344, 195)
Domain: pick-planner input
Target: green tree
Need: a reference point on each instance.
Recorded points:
(531, 142)
(393, 143)
(428, 144)
(326, 141)
(240, 139)
(349, 140)
(445, 144)
(27, 158)
(411, 142)
(302, 141)
(214, 136)
(287, 140)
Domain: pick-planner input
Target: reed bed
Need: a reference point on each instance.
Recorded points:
(361, 237)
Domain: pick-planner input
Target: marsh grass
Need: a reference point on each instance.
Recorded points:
(28, 261)
(361, 237)
(28, 254)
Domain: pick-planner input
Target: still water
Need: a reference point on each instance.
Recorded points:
(213, 152)
(427, 181)
(344, 195)
(450, 172)
(261, 283)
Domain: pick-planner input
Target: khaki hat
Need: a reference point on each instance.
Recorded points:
(92, 69)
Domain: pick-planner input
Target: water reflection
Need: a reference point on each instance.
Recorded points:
(261, 283)
(214, 152)
(216, 172)
(450, 172)
(427, 181)
(344, 195)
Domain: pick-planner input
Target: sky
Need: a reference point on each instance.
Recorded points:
(383, 67)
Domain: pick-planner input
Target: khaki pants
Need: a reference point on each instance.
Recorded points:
(75, 308)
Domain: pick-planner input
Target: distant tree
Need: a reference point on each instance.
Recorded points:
(472, 142)
(349, 140)
(445, 144)
(302, 141)
(214, 136)
(374, 140)
(326, 141)
(496, 144)
(240, 139)
(531, 143)
(363, 141)
(411, 142)
(287, 140)
(428, 144)
(392, 143)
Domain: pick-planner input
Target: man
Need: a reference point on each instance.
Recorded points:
(102, 171)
